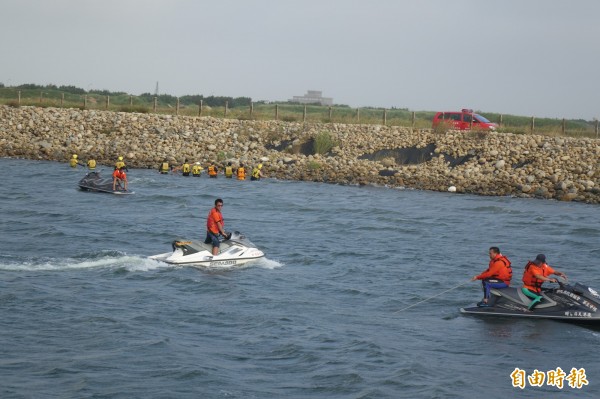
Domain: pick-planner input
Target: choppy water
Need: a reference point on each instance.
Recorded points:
(83, 313)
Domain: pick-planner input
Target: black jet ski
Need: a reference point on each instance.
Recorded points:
(576, 303)
(92, 181)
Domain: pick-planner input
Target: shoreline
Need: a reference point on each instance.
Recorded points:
(473, 162)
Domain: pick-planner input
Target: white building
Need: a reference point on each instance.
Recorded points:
(313, 97)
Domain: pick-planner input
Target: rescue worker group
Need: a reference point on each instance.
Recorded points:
(194, 169)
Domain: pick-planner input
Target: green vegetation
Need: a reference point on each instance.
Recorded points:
(324, 143)
(314, 165)
(243, 108)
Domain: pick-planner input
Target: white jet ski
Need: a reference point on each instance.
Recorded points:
(234, 251)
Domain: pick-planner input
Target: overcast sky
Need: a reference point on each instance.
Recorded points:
(535, 57)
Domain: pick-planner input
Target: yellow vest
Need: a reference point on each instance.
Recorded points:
(228, 171)
(185, 168)
(119, 164)
(92, 164)
(164, 168)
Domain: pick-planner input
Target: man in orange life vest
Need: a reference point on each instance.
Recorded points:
(497, 275)
(215, 225)
(212, 170)
(119, 177)
(536, 273)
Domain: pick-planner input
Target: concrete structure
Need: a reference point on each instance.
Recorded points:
(313, 97)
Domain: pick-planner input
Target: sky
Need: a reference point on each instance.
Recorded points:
(533, 58)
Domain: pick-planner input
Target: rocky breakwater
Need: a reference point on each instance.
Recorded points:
(466, 162)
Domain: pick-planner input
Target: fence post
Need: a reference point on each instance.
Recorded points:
(177, 106)
(107, 101)
(330, 114)
(226, 106)
(41, 96)
(596, 128)
(276, 112)
(413, 119)
(564, 126)
(358, 115)
(532, 124)
(154, 106)
(19, 97)
(251, 108)
(471, 123)
(62, 99)
(200, 108)
(500, 120)
(85, 101)
(131, 101)
(304, 114)
(384, 116)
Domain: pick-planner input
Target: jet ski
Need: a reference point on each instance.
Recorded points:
(233, 251)
(576, 303)
(92, 181)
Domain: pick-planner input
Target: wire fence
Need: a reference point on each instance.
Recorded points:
(288, 112)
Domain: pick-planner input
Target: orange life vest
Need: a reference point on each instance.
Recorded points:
(212, 171)
(529, 280)
(241, 173)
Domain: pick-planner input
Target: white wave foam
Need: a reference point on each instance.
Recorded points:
(130, 263)
(267, 263)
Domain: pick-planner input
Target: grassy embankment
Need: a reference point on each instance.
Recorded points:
(122, 102)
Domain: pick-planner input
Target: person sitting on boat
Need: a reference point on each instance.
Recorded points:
(497, 275)
(535, 274)
(196, 169)
(164, 167)
(215, 225)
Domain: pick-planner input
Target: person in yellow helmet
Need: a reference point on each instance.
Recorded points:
(196, 169)
(73, 162)
(120, 164)
(256, 172)
(91, 164)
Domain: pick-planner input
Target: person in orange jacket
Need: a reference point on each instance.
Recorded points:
(215, 226)
(497, 275)
(535, 274)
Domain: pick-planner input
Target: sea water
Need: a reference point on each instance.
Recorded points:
(84, 313)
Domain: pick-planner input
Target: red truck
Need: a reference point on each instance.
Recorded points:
(465, 119)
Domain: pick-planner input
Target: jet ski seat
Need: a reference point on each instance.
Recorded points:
(516, 295)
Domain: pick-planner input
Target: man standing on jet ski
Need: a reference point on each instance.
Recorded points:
(536, 273)
(497, 275)
(215, 225)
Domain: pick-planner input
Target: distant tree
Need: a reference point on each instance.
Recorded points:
(30, 86)
(71, 89)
